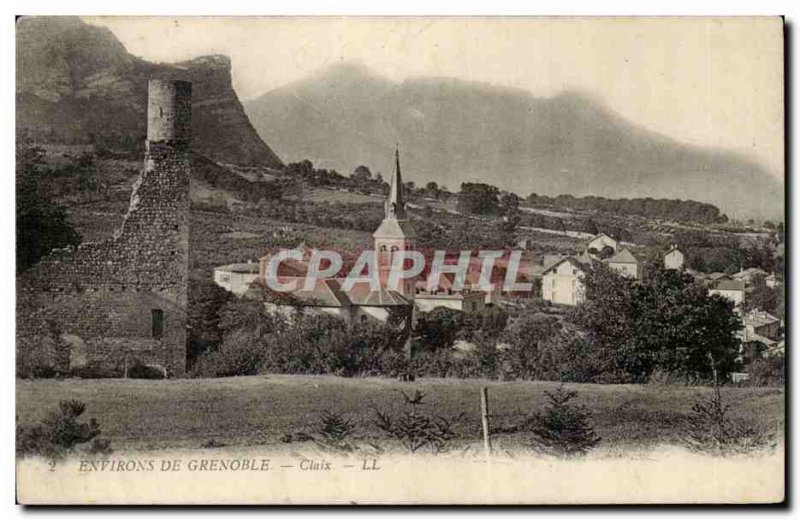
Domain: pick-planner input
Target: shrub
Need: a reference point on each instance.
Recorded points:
(712, 430)
(334, 432)
(416, 430)
(141, 371)
(96, 371)
(564, 429)
(42, 356)
(60, 433)
(242, 353)
(768, 371)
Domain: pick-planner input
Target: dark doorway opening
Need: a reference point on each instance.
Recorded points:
(158, 323)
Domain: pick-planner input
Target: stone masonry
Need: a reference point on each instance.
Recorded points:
(125, 298)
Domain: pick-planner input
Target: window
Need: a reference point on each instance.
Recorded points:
(395, 248)
(383, 249)
(158, 323)
(363, 318)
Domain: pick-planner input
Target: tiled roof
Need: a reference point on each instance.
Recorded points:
(246, 268)
(325, 293)
(598, 236)
(750, 271)
(571, 259)
(717, 276)
(623, 257)
(392, 228)
(729, 285)
(362, 294)
(551, 260)
(758, 318)
(747, 336)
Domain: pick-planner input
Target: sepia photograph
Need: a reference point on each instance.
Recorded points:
(408, 260)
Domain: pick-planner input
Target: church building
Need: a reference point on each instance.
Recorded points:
(361, 302)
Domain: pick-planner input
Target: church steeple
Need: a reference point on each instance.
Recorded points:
(395, 233)
(395, 204)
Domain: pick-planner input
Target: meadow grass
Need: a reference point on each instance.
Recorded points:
(139, 414)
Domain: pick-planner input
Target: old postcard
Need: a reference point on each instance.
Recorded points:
(400, 260)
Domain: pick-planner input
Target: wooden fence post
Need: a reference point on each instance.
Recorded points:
(487, 441)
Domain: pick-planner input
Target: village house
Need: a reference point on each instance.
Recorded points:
(760, 335)
(562, 282)
(236, 278)
(733, 290)
(749, 275)
(773, 281)
(465, 300)
(674, 259)
(626, 264)
(361, 303)
(601, 246)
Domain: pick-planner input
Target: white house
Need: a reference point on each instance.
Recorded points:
(730, 289)
(236, 278)
(562, 282)
(596, 245)
(464, 300)
(626, 264)
(772, 281)
(674, 259)
(749, 275)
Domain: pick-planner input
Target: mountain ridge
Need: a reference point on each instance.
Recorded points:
(453, 131)
(75, 79)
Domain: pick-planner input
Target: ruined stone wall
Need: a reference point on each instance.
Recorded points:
(105, 292)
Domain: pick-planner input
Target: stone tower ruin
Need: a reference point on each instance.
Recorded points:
(122, 302)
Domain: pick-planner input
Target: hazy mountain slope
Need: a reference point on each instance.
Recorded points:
(452, 131)
(75, 79)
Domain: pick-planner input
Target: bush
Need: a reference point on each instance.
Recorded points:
(416, 430)
(312, 344)
(96, 371)
(334, 432)
(241, 354)
(769, 371)
(141, 371)
(60, 434)
(42, 357)
(712, 430)
(564, 429)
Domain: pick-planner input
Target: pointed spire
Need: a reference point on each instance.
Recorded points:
(395, 203)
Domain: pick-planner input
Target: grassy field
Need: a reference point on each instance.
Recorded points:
(188, 413)
(324, 195)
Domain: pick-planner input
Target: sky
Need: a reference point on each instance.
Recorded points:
(713, 82)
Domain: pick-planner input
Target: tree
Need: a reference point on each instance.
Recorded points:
(526, 337)
(478, 199)
(41, 224)
(438, 328)
(666, 321)
(507, 229)
(362, 173)
(509, 203)
(206, 299)
(763, 297)
(563, 429)
(432, 189)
